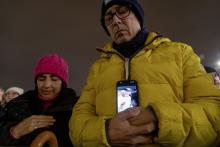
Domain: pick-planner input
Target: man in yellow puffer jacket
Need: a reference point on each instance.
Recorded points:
(179, 106)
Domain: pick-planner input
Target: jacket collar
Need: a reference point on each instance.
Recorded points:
(130, 48)
(153, 40)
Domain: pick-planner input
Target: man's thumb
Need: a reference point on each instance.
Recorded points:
(128, 113)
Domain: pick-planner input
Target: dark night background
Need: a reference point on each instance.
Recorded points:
(71, 28)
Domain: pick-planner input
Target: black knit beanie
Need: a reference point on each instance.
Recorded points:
(209, 69)
(134, 5)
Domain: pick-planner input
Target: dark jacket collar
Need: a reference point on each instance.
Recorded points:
(129, 48)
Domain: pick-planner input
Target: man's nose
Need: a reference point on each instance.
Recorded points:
(115, 19)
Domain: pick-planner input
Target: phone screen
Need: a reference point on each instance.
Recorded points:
(127, 94)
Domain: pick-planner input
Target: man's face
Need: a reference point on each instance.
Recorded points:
(122, 29)
(215, 77)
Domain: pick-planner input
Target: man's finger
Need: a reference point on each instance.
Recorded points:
(143, 129)
(141, 139)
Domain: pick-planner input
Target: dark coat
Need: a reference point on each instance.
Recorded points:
(28, 104)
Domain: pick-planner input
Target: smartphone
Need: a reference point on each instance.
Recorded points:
(127, 95)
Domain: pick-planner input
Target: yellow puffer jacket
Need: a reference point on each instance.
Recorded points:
(170, 78)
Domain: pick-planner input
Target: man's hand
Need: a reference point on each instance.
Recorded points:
(122, 133)
(32, 123)
(145, 117)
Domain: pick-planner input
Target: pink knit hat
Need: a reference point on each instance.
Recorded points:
(52, 64)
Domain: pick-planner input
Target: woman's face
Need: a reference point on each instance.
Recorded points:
(9, 95)
(49, 86)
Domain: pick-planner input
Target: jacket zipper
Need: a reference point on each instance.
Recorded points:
(128, 60)
(127, 68)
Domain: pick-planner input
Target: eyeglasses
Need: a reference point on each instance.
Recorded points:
(121, 12)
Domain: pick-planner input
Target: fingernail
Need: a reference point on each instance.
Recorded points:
(135, 111)
(151, 127)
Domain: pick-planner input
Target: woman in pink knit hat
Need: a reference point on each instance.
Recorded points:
(47, 107)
